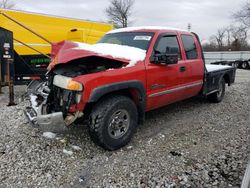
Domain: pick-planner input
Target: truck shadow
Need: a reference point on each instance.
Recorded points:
(155, 122)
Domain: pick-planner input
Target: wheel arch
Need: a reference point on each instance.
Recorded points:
(133, 89)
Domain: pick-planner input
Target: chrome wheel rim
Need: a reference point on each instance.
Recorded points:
(235, 64)
(244, 65)
(118, 124)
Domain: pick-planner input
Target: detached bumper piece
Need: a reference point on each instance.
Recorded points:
(31, 115)
(53, 122)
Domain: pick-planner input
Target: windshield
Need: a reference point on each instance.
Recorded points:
(134, 39)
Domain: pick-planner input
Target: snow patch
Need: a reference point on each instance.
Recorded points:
(132, 54)
(76, 148)
(67, 152)
(128, 29)
(80, 180)
(130, 147)
(49, 135)
(63, 141)
(33, 102)
(162, 135)
(211, 68)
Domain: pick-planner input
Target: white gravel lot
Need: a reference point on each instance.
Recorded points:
(189, 144)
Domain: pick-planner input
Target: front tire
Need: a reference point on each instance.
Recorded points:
(219, 95)
(113, 121)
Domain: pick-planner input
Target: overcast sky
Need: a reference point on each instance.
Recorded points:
(205, 16)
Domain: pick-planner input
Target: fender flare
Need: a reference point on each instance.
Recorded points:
(99, 92)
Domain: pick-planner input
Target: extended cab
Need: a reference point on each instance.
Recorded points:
(114, 82)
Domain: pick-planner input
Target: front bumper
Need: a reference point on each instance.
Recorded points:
(53, 122)
(36, 113)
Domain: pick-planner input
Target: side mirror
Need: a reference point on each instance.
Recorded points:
(165, 59)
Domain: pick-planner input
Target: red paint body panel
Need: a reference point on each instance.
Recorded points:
(156, 78)
(66, 51)
(94, 80)
(170, 76)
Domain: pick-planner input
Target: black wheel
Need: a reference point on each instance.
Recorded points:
(245, 65)
(235, 64)
(219, 95)
(113, 121)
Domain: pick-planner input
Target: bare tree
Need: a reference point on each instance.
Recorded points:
(243, 15)
(229, 38)
(239, 37)
(119, 12)
(239, 33)
(219, 37)
(7, 4)
(209, 46)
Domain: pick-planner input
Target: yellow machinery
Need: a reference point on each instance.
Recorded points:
(33, 34)
(52, 28)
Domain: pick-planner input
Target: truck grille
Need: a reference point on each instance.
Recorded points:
(61, 100)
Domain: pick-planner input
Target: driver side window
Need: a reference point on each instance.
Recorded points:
(168, 45)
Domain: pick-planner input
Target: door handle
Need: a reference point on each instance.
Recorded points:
(182, 69)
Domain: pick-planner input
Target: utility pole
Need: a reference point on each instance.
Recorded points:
(189, 26)
(0, 77)
(10, 78)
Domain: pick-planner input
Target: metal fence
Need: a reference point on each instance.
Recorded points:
(226, 56)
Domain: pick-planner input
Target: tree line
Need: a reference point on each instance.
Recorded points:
(233, 37)
(230, 38)
(7, 4)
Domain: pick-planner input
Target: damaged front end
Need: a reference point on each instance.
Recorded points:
(54, 104)
(51, 102)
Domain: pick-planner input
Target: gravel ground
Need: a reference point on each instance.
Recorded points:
(189, 144)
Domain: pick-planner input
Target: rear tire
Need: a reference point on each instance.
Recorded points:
(113, 121)
(245, 65)
(219, 95)
(235, 64)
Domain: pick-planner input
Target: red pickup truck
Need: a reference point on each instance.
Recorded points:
(114, 82)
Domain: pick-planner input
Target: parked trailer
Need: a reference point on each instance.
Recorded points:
(239, 59)
(32, 51)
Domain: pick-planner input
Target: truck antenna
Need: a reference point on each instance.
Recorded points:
(189, 26)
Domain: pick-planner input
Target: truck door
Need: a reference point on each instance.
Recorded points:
(192, 69)
(163, 80)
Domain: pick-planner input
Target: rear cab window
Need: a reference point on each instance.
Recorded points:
(189, 46)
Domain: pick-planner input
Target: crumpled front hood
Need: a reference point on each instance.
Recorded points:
(66, 51)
